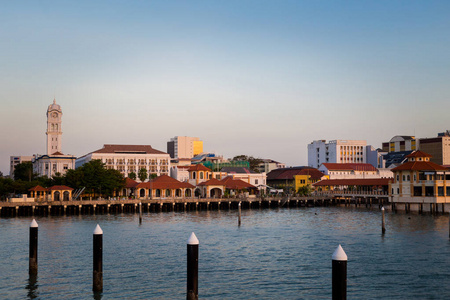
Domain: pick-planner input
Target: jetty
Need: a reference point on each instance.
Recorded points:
(125, 205)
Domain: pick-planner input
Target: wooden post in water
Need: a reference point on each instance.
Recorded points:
(192, 268)
(383, 221)
(339, 274)
(33, 259)
(140, 212)
(239, 214)
(97, 282)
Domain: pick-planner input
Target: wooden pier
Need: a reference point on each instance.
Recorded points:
(102, 206)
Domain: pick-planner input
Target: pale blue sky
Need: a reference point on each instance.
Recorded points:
(261, 78)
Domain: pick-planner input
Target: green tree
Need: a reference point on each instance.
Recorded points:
(304, 190)
(253, 162)
(24, 171)
(142, 174)
(58, 179)
(153, 175)
(96, 178)
(132, 175)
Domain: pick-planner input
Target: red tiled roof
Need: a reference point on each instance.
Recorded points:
(419, 166)
(419, 153)
(198, 167)
(57, 153)
(131, 149)
(164, 182)
(130, 183)
(288, 173)
(357, 182)
(38, 188)
(349, 166)
(212, 181)
(60, 188)
(236, 184)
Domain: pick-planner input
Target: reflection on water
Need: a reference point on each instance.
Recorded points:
(280, 253)
(32, 287)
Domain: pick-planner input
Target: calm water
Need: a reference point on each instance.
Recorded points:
(275, 254)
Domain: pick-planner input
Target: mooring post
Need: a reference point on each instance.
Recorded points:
(192, 268)
(383, 221)
(140, 212)
(33, 260)
(239, 214)
(339, 274)
(97, 283)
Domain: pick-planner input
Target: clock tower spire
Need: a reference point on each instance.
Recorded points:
(54, 133)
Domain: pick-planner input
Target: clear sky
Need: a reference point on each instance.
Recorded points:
(261, 78)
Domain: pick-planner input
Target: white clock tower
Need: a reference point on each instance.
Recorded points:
(54, 133)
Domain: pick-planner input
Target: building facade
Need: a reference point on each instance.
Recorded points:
(438, 148)
(184, 147)
(419, 181)
(15, 160)
(336, 151)
(400, 143)
(54, 161)
(130, 159)
(354, 171)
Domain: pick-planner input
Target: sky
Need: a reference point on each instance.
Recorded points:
(260, 78)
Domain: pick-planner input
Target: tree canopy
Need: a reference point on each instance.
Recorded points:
(24, 171)
(253, 162)
(142, 174)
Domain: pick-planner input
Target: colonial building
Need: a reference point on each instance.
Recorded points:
(130, 159)
(420, 181)
(247, 175)
(54, 161)
(268, 165)
(290, 179)
(353, 171)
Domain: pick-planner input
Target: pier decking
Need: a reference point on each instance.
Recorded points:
(99, 206)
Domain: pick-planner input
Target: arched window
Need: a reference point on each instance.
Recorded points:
(201, 175)
(408, 178)
(398, 177)
(403, 177)
(398, 191)
(194, 175)
(414, 177)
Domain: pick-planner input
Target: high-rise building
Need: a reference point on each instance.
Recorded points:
(184, 147)
(15, 160)
(438, 148)
(336, 151)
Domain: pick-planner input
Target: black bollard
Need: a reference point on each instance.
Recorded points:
(339, 274)
(239, 214)
(97, 284)
(192, 268)
(33, 261)
(383, 221)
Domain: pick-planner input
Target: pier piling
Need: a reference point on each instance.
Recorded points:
(97, 283)
(339, 274)
(383, 221)
(239, 214)
(192, 268)
(140, 212)
(33, 259)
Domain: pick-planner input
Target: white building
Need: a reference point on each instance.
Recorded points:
(336, 151)
(244, 174)
(130, 158)
(54, 161)
(184, 147)
(268, 165)
(354, 171)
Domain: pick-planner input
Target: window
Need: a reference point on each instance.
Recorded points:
(201, 175)
(256, 181)
(65, 167)
(408, 178)
(398, 176)
(403, 177)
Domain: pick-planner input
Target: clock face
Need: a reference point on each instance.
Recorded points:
(55, 115)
